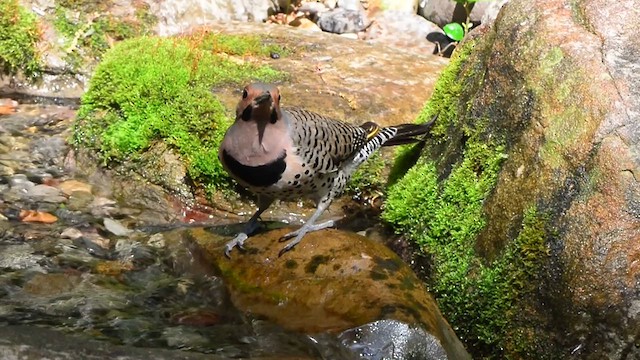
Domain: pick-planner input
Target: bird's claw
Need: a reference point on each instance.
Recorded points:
(286, 248)
(238, 242)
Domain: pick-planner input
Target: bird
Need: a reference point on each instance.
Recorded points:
(292, 154)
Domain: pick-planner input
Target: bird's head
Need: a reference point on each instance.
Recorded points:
(259, 103)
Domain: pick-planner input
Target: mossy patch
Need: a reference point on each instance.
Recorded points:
(438, 204)
(19, 36)
(88, 30)
(152, 89)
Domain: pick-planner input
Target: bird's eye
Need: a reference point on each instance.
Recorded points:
(245, 94)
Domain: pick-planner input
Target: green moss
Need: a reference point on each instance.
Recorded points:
(19, 36)
(442, 211)
(149, 89)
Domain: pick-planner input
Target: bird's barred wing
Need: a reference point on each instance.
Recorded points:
(322, 142)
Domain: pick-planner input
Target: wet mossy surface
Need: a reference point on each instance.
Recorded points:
(19, 35)
(439, 203)
(152, 89)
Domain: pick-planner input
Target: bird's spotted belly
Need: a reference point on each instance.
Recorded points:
(293, 188)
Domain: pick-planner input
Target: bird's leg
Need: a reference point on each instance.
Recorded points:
(308, 226)
(250, 227)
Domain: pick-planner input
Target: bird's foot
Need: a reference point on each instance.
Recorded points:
(237, 241)
(300, 233)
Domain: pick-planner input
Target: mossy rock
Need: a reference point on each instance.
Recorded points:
(151, 89)
(438, 204)
(19, 36)
(522, 199)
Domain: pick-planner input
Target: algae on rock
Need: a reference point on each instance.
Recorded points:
(438, 204)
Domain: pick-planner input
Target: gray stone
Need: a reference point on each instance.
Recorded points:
(340, 21)
(115, 227)
(45, 193)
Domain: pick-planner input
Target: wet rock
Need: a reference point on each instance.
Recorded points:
(79, 200)
(156, 241)
(36, 343)
(71, 233)
(95, 245)
(6, 170)
(51, 284)
(391, 339)
(115, 227)
(112, 267)
(7, 106)
(331, 281)
(38, 175)
(20, 182)
(20, 257)
(70, 186)
(37, 216)
(45, 193)
(49, 150)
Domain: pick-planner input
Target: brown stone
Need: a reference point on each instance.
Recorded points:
(562, 80)
(331, 281)
(343, 78)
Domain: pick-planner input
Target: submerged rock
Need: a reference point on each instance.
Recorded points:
(331, 281)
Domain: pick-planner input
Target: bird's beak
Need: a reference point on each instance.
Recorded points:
(265, 96)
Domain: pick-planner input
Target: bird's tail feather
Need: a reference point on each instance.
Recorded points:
(410, 133)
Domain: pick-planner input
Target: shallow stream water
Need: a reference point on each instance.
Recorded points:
(83, 275)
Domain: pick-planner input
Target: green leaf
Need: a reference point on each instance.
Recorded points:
(454, 31)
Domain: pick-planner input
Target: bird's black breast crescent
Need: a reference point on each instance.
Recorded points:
(261, 175)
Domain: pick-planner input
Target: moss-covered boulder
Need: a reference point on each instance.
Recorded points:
(330, 282)
(525, 200)
(152, 96)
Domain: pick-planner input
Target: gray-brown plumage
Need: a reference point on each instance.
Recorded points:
(289, 154)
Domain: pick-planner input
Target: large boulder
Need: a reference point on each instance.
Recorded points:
(527, 199)
(331, 281)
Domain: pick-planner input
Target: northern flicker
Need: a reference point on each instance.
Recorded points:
(291, 153)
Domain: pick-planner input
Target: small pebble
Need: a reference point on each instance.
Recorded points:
(115, 227)
(38, 176)
(45, 193)
(20, 181)
(156, 241)
(71, 233)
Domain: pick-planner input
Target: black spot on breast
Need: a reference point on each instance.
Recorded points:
(246, 114)
(261, 175)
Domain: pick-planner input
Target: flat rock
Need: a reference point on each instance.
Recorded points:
(346, 79)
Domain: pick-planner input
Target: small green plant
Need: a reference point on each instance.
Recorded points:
(152, 89)
(457, 30)
(19, 36)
